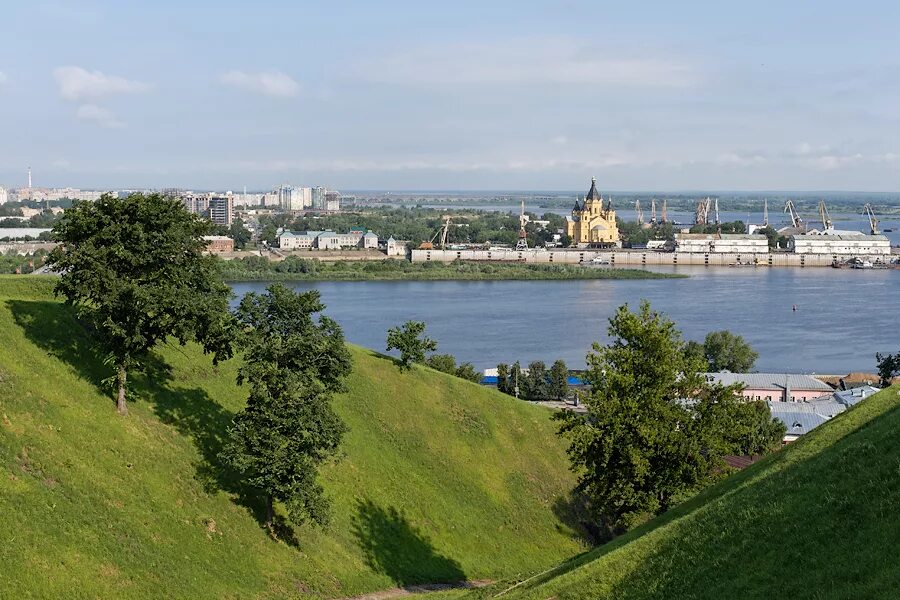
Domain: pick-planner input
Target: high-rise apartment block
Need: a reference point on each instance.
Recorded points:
(221, 210)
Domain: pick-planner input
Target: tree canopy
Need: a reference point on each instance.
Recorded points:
(655, 430)
(412, 343)
(293, 365)
(723, 351)
(135, 268)
(888, 367)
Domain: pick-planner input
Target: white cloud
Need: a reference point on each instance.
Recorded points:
(99, 115)
(270, 83)
(547, 60)
(77, 84)
(3, 78)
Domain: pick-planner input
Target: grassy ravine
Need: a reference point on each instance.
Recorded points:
(292, 269)
(816, 520)
(441, 479)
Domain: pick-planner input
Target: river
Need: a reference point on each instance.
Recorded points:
(843, 316)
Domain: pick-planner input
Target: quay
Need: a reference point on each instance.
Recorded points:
(642, 258)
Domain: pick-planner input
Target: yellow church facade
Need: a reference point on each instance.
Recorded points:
(592, 223)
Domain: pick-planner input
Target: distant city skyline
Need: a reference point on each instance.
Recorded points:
(468, 96)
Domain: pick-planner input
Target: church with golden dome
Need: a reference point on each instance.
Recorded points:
(592, 223)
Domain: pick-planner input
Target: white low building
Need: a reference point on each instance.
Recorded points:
(732, 243)
(326, 240)
(857, 244)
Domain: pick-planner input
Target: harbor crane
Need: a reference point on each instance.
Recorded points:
(653, 211)
(873, 221)
(442, 234)
(824, 216)
(701, 215)
(765, 212)
(640, 213)
(796, 221)
(664, 217)
(718, 223)
(522, 242)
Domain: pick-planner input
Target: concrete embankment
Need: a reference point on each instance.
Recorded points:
(637, 258)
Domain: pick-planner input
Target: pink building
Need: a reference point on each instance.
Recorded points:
(784, 387)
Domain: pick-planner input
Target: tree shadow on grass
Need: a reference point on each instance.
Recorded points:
(395, 547)
(52, 326)
(572, 511)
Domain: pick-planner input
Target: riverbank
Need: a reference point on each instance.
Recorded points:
(294, 269)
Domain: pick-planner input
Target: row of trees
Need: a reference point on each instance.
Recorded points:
(536, 383)
(135, 271)
(413, 345)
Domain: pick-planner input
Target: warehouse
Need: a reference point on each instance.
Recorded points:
(855, 244)
(736, 243)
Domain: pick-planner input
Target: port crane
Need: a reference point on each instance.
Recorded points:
(701, 215)
(718, 223)
(442, 234)
(640, 213)
(796, 221)
(522, 242)
(824, 216)
(653, 211)
(765, 212)
(873, 221)
(664, 217)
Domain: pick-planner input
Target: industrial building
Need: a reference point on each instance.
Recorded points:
(217, 244)
(843, 243)
(733, 243)
(592, 223)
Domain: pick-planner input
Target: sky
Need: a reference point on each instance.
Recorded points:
(487, 95)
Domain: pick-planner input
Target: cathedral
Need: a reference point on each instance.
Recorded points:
(592, 224)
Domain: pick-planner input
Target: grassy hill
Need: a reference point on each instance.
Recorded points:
(816, 520)
(441, 480)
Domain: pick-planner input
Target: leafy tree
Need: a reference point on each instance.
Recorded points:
(641, 449)
(293, 365)
(559, 380)
(135, 268)
(239, 233)
(445, 363)
(725, 351)
(515, 382)
(695, 351)
(503, 378)
(534, 385)
(771, 236)
(888, 367)
(411, 342)
(467, 371)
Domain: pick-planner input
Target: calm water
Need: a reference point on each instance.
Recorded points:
(843, 317)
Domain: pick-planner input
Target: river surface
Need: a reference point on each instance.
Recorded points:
(842, 318)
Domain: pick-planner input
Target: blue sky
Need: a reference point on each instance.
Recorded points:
(453, 95)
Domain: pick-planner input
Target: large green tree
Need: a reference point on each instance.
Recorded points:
(135, 269)
(559, 380)
(293, 365)
(412, 343)
(655, 430)
(726, 351)
(888, 367)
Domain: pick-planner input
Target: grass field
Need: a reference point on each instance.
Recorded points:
(815, 520)
(441, 479)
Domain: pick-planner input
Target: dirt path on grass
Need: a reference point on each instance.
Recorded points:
(409, 590)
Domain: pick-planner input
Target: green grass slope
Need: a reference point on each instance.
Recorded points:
(441, 479)
(818, 519)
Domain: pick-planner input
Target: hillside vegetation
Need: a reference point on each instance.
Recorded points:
(441, 479)
(815, 520)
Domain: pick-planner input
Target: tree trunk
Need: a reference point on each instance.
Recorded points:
(270, 512)
(120, 401)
